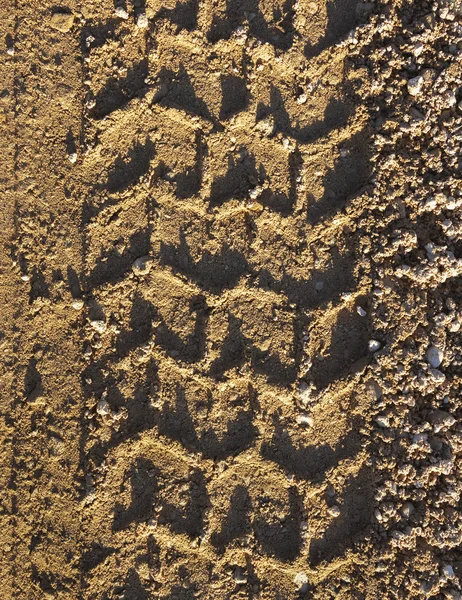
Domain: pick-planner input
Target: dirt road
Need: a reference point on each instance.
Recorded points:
(230, 299)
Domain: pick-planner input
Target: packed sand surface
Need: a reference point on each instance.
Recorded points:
(230, 300)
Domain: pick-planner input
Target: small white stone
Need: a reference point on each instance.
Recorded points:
(454, 326)
(434, 356)
(10, 51)
(142, 21)
(334, 511)
(374, 345)
(305, 393)
(102, 408)
(72, 157)
(305, 420)
(25, 277)
(121, 12)
(99, 326)
(142, 265)
(361, 312)
(301, 581)
(255, 192)
(414, 85)
(302, 99)
(418, 49)
(77, 304)
(266, 126)
(382, 421)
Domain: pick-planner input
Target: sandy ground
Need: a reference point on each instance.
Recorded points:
(230, 300)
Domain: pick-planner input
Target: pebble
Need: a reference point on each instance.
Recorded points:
(414, 85)
(72, 157)
(266, 126)
(301, 581)
(142, 265)
(239, 576)
(77, 304)
(99, 326)
(25, 277)
(436, 375)
(62, 21)
(448, 572)
(305, 393)
(434, 356)
(441, 420)
(361, 312)
(334, 511)
(121, 12)
(418, 49)
(374, 345)
(382, 421)
(305, 420)
(142, 21)
(407, 509)
(102, 408)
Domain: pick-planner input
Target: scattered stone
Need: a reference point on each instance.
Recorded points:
(361, 312)
(266, 126)
(436, 375)
(239, 576)
(448, 572)
(77, 304)
(62, 21)
(334, 511)
(306, 393)
(374, 345)
(382, 421)
(102, 408)
(72, 157)
(407, 510)
(418, 49)
(142, 21)
(121, 12)
(25, 277)
(142, 265)
(99, 326)
(301, 581)
(441, 420)
(414, 85)
(305, 420)
(434, 356)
